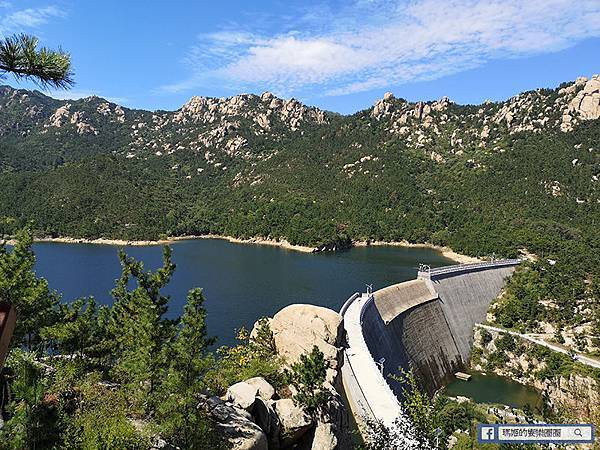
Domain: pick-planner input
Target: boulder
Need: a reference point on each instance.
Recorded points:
(334, 421)
(324, 437)
(266, 96)
(235, 424)
(297, 328)
(242, 394)
(266, 418)
(587, 101)
(295, 422)
(264, 389)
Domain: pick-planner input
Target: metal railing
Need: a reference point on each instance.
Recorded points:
(348, 302)
(364, 347)
(468, 267)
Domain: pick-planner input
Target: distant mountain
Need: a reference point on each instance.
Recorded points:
(478, 177)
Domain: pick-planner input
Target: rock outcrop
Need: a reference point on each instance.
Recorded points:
(297, 328)
(284, 424)
(574, 392)
(236, 424)
(587, 101)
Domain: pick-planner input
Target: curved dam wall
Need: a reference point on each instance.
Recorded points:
(426, 325)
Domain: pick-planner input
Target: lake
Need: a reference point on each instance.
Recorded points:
(241, 282)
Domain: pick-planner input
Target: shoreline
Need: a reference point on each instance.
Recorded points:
(444, 251)
(148, 243)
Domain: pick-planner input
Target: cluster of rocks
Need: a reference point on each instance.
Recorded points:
(251, 415)
(260, 110)
(424, 124)
(584, 103)
(223, 124)
(400, 111)
(111, 111)
(64, 115)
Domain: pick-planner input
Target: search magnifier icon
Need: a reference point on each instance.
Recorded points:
(577, 432)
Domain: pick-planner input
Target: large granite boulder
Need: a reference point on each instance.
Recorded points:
(297, 328)
(264, 389)
(242, 394)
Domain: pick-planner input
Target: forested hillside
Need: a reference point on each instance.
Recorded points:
(519, 175)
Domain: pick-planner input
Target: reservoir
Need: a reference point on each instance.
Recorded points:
(241, 282)
(491, 388)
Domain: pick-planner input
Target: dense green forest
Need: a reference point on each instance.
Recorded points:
(462, 176)
(503, 179)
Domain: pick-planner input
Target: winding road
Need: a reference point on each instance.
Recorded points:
(576, 356)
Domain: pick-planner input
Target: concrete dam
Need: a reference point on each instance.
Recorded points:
(424, 325)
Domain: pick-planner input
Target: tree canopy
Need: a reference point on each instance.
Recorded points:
(21, 56)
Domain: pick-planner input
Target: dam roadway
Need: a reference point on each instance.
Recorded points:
(423, 325)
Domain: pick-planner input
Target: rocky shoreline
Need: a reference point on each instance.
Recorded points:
(445, 251)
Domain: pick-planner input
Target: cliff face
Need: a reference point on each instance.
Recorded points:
(571, 389)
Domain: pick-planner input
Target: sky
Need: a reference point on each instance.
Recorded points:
(339, 55)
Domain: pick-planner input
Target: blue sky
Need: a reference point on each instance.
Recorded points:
(338, 55)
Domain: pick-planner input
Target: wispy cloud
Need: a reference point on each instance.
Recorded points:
(373, 44)
(13, 21)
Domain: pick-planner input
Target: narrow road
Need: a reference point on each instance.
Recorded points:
(576, 356)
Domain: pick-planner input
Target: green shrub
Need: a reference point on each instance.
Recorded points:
(486, 336)
(308, 376)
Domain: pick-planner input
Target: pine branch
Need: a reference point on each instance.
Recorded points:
(20, 56)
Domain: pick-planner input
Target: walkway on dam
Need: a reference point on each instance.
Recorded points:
(369, 392)
(576, 356)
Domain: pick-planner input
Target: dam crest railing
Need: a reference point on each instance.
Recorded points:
(362, 377)
(458, 268)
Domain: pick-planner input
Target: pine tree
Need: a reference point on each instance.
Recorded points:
(178, 413)
(21, 56)
(35, 304)
(308, 376)
(138, 333)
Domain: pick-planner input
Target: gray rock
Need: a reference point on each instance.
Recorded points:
(242, 394)
(266, 418)
(295, 422)
(235, 425)
(324, 437)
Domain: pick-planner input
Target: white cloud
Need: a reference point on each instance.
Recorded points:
(17, 20)
(371, 44)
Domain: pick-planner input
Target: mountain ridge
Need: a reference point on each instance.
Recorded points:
(266, 153)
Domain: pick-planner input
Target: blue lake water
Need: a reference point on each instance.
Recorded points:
(241, 282)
